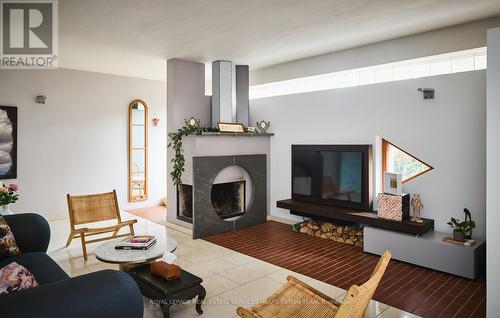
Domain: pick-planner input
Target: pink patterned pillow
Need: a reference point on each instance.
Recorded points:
(14, 277)
(8, 246)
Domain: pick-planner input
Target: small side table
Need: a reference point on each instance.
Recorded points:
(169, 292)
(128, 259)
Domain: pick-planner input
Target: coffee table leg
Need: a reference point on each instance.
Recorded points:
(165, 310)
(199, 301)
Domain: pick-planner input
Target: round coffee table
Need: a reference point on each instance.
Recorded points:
(128, 259)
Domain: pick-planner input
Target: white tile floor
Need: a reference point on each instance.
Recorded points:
(230, 278)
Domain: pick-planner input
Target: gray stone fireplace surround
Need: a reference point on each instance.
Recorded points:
(185, 99)
(205, 169)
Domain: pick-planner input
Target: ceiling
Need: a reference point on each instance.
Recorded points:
(136, 37)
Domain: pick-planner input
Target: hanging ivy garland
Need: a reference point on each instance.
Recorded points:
(176, 144)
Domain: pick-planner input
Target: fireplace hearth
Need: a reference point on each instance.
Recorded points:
(185, 203)
(229, 199)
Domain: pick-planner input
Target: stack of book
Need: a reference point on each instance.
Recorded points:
(450, 239)
(140, 242)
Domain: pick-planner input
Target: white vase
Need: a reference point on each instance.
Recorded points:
(5, 210)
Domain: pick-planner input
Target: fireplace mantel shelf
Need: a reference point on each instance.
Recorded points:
(245, 134)
(227, 134)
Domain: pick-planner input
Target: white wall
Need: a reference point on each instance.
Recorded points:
(493, 175)
(448, 133)
(78, 141)
(456, 38)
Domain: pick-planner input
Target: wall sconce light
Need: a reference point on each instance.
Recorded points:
(41, 99)
(428, 93)
(156, 119)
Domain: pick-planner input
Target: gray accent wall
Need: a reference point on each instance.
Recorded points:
(493, 176)
(185, 98)
(186, 93)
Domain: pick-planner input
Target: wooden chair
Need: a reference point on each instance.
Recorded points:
(85, 209)
(297, 299)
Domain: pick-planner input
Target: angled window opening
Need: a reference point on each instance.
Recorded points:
(395, 159)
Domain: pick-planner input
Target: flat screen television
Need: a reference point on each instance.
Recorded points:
(337, 175)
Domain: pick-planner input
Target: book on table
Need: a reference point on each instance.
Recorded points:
(139, 242)
(467, 242)
(141, 238)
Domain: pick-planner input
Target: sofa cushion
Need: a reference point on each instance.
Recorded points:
(14, 277)
(32, 231)
(40, 265)
(8, 246)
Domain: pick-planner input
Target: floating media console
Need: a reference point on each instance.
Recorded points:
(316, 210)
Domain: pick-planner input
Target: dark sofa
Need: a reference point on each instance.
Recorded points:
(106, 293)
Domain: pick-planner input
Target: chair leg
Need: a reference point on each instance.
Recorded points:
(132, 232)
(244, 313)
(84, 247)
(70, 238)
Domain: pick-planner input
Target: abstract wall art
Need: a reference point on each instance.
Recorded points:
(8, 142)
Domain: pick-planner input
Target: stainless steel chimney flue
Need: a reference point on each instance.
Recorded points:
(223, 92)
(229, 93)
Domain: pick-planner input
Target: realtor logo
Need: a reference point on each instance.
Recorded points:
(28, 34)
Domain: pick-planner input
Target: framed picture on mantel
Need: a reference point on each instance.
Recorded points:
(8, 142)
(231, 127)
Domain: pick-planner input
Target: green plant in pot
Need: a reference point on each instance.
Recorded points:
(192, 127)
(462, 229)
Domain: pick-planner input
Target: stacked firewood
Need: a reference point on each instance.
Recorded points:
(339, 233)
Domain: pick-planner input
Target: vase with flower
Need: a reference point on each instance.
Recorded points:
(8, 195)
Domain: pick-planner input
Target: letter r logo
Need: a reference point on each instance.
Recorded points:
(27, 27)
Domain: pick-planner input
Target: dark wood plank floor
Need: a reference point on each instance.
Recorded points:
(415, 289)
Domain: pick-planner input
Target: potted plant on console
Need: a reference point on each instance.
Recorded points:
(462, 229)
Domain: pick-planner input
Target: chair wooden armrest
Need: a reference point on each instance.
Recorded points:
(105, 229)
(245, 313)
(314, 290)
(128, 222)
